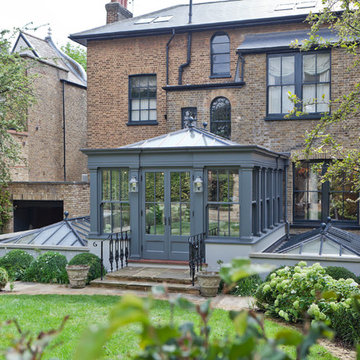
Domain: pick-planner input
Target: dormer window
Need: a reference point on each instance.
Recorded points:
(220, 55)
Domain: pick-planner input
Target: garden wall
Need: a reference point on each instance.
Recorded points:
(351, 263)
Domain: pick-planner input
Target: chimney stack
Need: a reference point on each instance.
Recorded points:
(117, 10)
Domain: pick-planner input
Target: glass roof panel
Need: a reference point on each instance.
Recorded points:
(144, 21)
(163, 18)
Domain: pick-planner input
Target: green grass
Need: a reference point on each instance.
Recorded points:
(44, 312)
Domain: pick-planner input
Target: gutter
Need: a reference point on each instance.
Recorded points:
(188, 59)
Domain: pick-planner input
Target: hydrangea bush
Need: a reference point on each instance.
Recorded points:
(3, 278)
(293, 293)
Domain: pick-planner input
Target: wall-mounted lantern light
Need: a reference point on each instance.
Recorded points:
(198, 185)
(133, 185)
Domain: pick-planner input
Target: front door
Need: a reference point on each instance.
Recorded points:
(167, 214)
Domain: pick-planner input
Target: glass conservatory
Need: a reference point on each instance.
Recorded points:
(184, 183)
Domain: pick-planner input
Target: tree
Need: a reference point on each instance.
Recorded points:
(342, 17)
(16, 96)
(78, 53)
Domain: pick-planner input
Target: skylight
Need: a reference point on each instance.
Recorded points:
(285, 6)
(144, 21)
(163, 19)
(306, 4)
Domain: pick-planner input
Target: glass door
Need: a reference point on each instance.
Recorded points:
(167, 212)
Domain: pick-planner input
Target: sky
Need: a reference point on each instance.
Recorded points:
(68, 16)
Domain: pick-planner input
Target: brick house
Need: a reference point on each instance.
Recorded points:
(52, 178)
(228, 64)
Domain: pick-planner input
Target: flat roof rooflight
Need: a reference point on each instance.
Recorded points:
(163, 18)
(144, 21)
(285, 6)
(306, 4)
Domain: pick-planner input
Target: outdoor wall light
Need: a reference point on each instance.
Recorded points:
(133, 185)
(198, 185)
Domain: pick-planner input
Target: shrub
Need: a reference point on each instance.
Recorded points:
(16, 262)
(339, 272)
(49, 267)
(268, 277)
(4, 278)
(293, 293)
(93, 261)
(247, 286)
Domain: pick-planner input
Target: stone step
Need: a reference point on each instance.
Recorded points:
(144, 286)
(151, 275)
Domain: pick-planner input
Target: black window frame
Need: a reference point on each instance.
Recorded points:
(325, 193)
(298, 83)
(130, 98)
(223, 121)
(214, 74)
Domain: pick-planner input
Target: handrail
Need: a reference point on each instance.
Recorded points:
(196, 254)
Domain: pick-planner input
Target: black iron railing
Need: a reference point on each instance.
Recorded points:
(196, 254)
(119, 250)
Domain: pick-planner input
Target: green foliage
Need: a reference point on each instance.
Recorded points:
(169, 341)
(298, 292)
(268, 277)
(16, 262)
(345, 154)
(247, 286)
(76, 52)
(16, 96)
(49, 267)
(93, 261)
(4, 278)
(339, 272)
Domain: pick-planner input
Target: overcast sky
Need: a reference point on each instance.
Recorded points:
(68, 16)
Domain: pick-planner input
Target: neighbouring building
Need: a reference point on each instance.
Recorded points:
(157, 80)
(52, 178)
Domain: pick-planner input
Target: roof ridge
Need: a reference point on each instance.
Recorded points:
(33, 36)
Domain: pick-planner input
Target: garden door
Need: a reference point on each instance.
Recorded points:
(166, 214)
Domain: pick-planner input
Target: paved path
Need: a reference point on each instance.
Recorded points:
(225, 302)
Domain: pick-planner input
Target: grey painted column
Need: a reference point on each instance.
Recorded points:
(94, 203)
(245, 195)
(135, 217)
(198, 215)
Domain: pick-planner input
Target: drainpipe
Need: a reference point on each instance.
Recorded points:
(167, 55)
(287, 224)
(64, 129)
(240, 77)
(190, 12)
(188, 60)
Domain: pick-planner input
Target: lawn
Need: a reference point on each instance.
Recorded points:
(43, 312)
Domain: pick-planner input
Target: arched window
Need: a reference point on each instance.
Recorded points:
(220, 117)
(220, 55)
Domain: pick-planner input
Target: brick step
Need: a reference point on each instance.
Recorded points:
(144, 286)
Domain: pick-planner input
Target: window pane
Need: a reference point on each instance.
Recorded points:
(221, 58)
(150, 219)
(159, 219)
(124, 175)
(159, 186)
(152, 93)
(323, 97)
(185, 186)
(308, 177)
(106, 184)
(175, 219)
(234, 217)
(213, 219)
(144, 104)
(152, 81)
(275, 100)
(185, 219)
(220, 39)
(309, 98)
(106, 218)
(220, 48)
(307, 206)
(135, 116)
(309, 68)
(223, 186)
(149, 187)
(233, 186)
(222, 68)
(220, 117)
(152, 103)
(125, 217)
(116, 217)
(144, 115)
(144, 81)
(343, 206)
(115, 185)
(274, 77)
(135, 104)
(175, 186)
(152, 115)
(212, 185)
(135, 93)
(323, 67)
(287, 104)
(288, 70)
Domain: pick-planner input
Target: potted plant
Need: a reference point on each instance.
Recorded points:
(77, 275)
(209, 282)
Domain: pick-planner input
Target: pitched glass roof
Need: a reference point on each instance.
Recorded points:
(188, 137)
(69, 232)
(326, 240)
